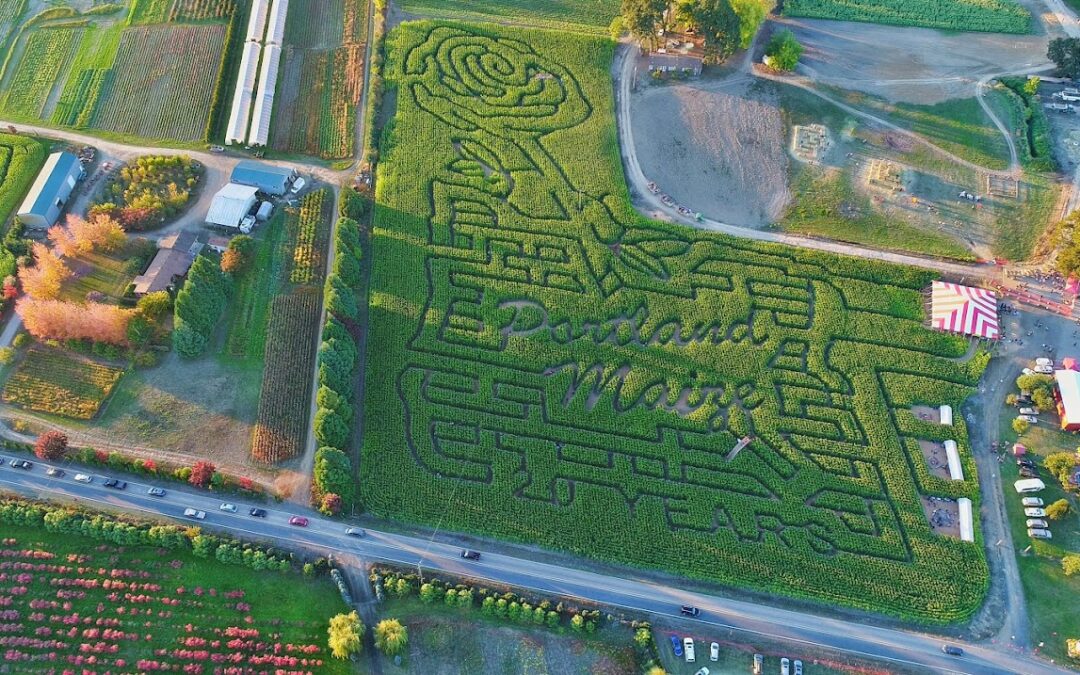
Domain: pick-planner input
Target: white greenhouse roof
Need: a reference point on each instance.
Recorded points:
(967, 520)
(231, 204)
(240, 114)
(257, 22)
(275, 30)
(264, 98)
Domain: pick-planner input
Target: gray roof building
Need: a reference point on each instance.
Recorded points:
(50, 191)
(273, 180)
(175, 255)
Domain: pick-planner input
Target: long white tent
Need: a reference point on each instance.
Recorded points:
(257, 22)
(275, 30)
(264, 99)
(952, 454)
(240, 114)
(967, 520)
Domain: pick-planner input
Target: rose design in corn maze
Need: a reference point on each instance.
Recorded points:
(572, 374)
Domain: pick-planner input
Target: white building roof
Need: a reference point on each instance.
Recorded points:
(264, 98)
(1068, 382)
(946, 415)
(240, 114)
(231, 204)
(257, 22)
(956, 472)
(275, 30)
(967, 520)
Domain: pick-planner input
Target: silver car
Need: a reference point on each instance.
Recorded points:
(1038, 522)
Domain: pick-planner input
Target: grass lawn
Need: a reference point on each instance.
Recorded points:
(96, 272)
(185, 599)
(250, 307)
(1051, 620)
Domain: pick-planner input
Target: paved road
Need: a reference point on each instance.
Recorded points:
(907, 647)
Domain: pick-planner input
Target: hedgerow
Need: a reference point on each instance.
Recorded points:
(199, 305)
(548, 366)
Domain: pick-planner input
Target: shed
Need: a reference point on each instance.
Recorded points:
(952, 454)
(266, 209)
(231, 204)
(174, 257)
(945, 415)
(1067, 394)
(967, 520)
(1019, 450)
(50, 191)
(273, 180)
(218, 243)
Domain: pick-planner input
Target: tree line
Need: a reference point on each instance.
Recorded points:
(725, 25)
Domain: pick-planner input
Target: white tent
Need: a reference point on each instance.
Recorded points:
(231, 204)
(946, 415)
(1068, 382)
(264, 99)
(275, 30)
(953, 455)
(240, 114)
(967, 520)
(257, 22)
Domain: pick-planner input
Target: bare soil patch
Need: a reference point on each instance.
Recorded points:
(936, 459)
(943, 515)
(716, 147)
(926, 413)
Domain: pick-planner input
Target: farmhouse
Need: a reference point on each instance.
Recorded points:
(230, 204)
(174, 257)
(272, 180)
(1067, 394)
(51, 190)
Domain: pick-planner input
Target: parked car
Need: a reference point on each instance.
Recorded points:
(1044, 361)
(1037, 522)
(1028, 411)
(156, 492)
(1044, 370)
(115, 483)
(676, 645)
(798, 667)
(1030, 419)
(55, 472)
(355, 532)
(299, 521)
(714, 652)
(194, 513)
(759, 663)
(297, 185)
(83, 478)
(688, 647)
(1039, 533)
(785, 666)
(227, 507)
(702, 671)
(470, 554)
(1028, 472)
(688, 610)
(256, 512)
(1035, 513)
(22, 464)
(952, 650)
(1031, 501)
(1024, 461)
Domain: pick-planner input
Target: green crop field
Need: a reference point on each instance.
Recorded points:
(46, 57)
(990, 16)
(20, 160)
(548, 366)
(587, 16)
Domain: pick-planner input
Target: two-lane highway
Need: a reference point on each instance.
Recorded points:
(907, 647)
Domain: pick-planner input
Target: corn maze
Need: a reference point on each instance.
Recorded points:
(547, 366)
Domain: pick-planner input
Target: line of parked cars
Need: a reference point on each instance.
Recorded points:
(1035, 514)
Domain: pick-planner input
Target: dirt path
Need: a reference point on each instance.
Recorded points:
(980, 95)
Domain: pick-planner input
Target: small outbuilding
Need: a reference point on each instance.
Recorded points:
(269, 179)
(50, 191)
(967, 520)
(1019, 449)
(675, 63)
(230, 204)
(952, 454)
(945, 415)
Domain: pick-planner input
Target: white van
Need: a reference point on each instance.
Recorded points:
(1027, 485)
(688, 648)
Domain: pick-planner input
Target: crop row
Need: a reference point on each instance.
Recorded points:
(56, 382)
(285, 398)
(44, 59)
(200, 10)
(992, 16)
(308, 233)
(562, 366)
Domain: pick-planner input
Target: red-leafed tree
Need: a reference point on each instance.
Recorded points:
(331, 504)
(43, 280)
(51, 446)
(201, 473)
(61, 320)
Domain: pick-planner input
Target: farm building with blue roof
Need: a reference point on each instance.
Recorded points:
(267, 178)
(50, 191)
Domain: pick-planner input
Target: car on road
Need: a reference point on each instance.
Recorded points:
(156, 492)
(688, 648)
(299, 521)
(470, 554)
(687, 610)
(1035, 513)
(1039, 533)
(355, 532)
(226, 506)
(952, 650)
(83, 478)
(256, 512)
(798, 667)
(1031, 501)
(115, 484)
(676, 645)
(702, 671)
(1037, 522)
(1030, 419)
(714, 652)
(55, 472)
(194, 513)
(22, 464)
(759, 663)
(785, 666)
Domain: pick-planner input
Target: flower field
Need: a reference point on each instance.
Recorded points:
(991, 16)
(60, 383)
(285, 399)
(70, 604)
(548, 366)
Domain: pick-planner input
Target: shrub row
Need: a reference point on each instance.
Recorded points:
(199, 305)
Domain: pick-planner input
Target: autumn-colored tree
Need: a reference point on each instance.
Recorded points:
(63, 241)
(51, 446)
(100, 233)
(345, 632)
(232, 261)
(61, 320)
(331, 504)
(202, 472)
(391, 637)
(11, 288)
(44, 279)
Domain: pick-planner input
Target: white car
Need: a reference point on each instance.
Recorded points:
(297, 185)
(688, 649)
(1044, 370)
(226, 506)
(702, 671)
(1028, 411)
(1037, 523)
(785, 666)
(1031, 501)
(1035, 513)
(1039, 533)
(155, 492)
(798, 667)
(193, 513)
(714, 652)
(83, 478)
(1043, 361)
(1030, 419)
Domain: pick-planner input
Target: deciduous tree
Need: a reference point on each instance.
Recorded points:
(51, 446)
(61, 320)
(44, 280)
(642, 18)
(391, 637)
(1070, 564)
(1065, 53)
(345, 633)
(751, 14)
(1058, 509)
(783, 51)
(202, 472)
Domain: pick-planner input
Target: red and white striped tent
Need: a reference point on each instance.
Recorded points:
(963, 309)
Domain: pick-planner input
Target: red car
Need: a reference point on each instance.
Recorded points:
(299, 521)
